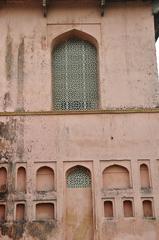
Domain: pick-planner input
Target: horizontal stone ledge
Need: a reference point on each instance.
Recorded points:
(99, 111)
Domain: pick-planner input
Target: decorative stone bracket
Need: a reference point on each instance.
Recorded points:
(155, 11)
(45, 5)
(155, 6)
(102, 6)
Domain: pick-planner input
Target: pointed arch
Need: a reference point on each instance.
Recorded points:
(116, 177)
(74, 71)
(74, 33)
(78, 177)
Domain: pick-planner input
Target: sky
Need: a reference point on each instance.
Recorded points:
(157, 50)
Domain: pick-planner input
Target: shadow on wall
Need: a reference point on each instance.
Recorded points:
(157, 54)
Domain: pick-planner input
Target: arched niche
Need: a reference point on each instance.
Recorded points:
(74, 72)
(128, 208)
(44, 211)
(144, 176)
(20, 212)
(116, 177)
(21, 179)
(78, 177)
(79, 206)
(45, 179)
(3, 179)
(2, 212)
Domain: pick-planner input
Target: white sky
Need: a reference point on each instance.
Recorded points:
(157, 50)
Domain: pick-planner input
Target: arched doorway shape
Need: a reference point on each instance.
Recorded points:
(79, 207)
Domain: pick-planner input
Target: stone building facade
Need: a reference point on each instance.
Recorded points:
(79, 120)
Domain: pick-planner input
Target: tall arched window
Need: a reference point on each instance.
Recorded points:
(74, 64)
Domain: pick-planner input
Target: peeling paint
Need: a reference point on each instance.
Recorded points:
(20, 139)
(7, 138)
(3, 193)
(7, 100)
(8, 130)
(37, 230)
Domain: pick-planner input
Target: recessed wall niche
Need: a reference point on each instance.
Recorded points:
(116, 174)
(128, 208)
(108, 209)
(45, 211)
(145, 173)
(144, 176)
(21, 179)
(3, 179)
(20, 212)
(2, 212)
(45, 177)
(147, 208)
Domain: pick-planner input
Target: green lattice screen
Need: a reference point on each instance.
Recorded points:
(79, 177)
(75, 75)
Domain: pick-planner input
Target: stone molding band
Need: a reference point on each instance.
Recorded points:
(99, 111)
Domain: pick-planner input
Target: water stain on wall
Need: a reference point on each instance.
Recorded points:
(9, 56)
(20, 139)
(20, 74)
(7, 137)
(41, 230)
(14, 231)
(8, 64)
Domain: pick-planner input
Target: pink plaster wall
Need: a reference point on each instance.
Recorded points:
(127, 78)
(126, 49)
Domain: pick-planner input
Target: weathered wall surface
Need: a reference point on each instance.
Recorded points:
(93, 141)
(37, 152)
(126, 47)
